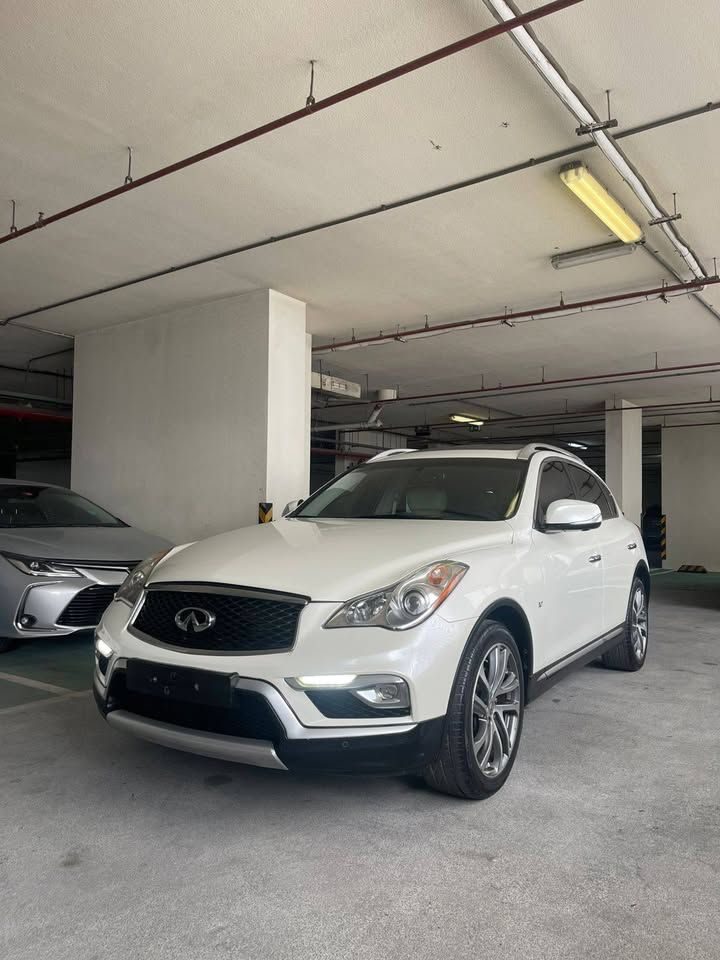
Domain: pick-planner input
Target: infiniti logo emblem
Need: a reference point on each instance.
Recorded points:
(194, 619)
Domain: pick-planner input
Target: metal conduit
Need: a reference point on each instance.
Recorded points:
(311, 108)
(540, 386)
(359, 215)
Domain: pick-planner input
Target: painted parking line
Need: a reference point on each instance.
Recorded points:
(36, 684)
(36, 704)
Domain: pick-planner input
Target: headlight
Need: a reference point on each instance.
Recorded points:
(40, 568)
(132, 586)
(404, 604)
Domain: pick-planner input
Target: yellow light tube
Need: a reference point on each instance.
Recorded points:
(593, 194)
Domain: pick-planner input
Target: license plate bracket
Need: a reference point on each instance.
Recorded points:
(179, 683)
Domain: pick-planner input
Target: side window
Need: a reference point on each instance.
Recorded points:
(590, 490)
(554, 485)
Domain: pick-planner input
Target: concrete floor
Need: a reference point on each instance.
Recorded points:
(604, 844)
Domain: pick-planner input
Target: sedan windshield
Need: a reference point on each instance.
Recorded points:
(37, 506)
(476, 488)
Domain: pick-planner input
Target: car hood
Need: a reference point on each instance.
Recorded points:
(331, 560)
(81, 543)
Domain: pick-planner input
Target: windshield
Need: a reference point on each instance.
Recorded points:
(477, 488)
(36, 506)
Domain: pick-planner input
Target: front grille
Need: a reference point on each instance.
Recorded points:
(87, 607)
(250, 715)
(342, 704)
(243, 624)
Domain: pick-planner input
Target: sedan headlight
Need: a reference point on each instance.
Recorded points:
(40, 568)
(404, 604)
(132, 586)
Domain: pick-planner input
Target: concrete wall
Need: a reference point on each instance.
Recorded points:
(690, 483)
(184, 422)
(47, 471)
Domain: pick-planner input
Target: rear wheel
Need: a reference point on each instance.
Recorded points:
(484, 719)
(7, 643)
(630, 653)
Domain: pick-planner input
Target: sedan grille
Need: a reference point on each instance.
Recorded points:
(87, 607)
(222, 622)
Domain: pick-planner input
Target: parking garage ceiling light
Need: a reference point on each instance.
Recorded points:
(466, 418)
(593, 194)
(604, 251)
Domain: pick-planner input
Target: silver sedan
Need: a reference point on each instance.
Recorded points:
(61, 560)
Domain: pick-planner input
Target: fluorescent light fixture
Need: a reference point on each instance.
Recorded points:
(331, 680)
(559, 83)
(577, 446)
(593, 194)
(466, 418)
(605, 251)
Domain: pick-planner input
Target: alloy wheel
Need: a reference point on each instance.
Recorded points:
(495, 719)
(639, 623)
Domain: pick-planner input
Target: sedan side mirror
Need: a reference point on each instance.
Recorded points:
(289, 507)
(572, 515)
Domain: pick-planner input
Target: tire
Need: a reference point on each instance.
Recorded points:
(629, 655)
(7, 644)
(477, 755)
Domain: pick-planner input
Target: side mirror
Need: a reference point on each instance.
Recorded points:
(572, 515)
(289, 507)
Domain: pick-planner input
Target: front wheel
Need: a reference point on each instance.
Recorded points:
(630, 653)
(484, 718)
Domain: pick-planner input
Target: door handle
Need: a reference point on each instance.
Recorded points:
(595, 558)
(632, 546)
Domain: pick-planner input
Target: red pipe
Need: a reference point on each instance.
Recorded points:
(572, 416)
(24, 413)
(346, 94)
(691, 286)
(527, 387)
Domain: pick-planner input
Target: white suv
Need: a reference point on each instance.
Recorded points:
(397, 620)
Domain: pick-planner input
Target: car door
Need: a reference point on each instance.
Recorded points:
(618, 544)
(572, 564)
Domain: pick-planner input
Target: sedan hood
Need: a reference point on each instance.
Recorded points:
(81, 543)
(331, 560)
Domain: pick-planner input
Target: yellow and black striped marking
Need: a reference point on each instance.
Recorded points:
(264, 512)
(663, 537)
(691, 568)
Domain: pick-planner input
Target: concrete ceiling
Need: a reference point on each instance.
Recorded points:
(81, 83)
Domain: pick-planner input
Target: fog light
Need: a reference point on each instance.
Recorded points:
(383, 695)
(27, 621)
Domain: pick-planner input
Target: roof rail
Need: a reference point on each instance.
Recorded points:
(390, 453)
(530, 449)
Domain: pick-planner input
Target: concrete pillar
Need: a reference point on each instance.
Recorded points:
(623, 456)
(690, 470)
(184, 422)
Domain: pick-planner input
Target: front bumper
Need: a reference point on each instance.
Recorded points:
(284, 743)
(56, 607)
(269, 722)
